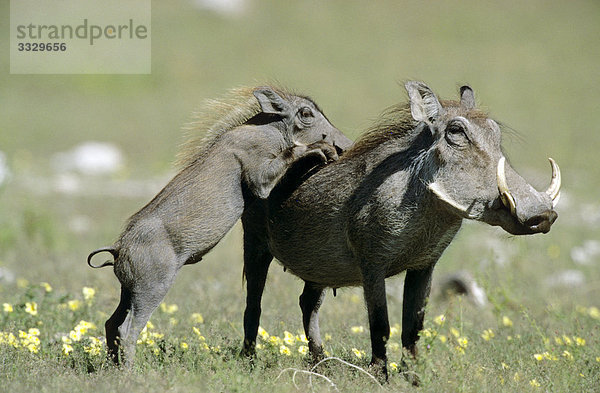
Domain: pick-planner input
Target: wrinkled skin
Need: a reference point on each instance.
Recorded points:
(203, 201)
(385, 207)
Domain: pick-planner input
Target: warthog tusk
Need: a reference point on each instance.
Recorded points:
(553, 190)
(505, 195)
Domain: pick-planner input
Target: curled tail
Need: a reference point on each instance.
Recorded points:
(113, 251)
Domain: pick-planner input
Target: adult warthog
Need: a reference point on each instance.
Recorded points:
(247, 143)
(391, 203)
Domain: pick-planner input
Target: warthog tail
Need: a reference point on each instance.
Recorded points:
(114, 252)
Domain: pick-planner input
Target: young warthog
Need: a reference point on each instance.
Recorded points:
(251, 139)
(391, 203)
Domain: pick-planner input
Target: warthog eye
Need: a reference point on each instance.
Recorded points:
(456, 135)
(305, 112)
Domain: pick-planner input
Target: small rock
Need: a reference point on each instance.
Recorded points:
(4, 170)
(586, 253)
(222, 7)
(90, 158)
(565, 278)
(463, 283)
(6, 276)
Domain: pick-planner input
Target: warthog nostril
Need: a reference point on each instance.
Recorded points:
(542, 222)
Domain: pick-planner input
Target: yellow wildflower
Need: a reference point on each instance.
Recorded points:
(22, 283)
(534, 383)
(357, 329)
(7, 307)
(46, 286)
(442, 338)
(460, 349)
(567, 340)
(358, 353)
(302, 338)
(149, 325)
(506, 321)
(197, 331)
(263, 333)
(440, 319)
(31, 308)
(580, 342)
(284, 350)
(274, 340)
(425, 333)
(327, 337)
(197, 318)
(538, 356)
(75, 335)
(67, 349)
(487, 334)
(504, 366)
(302, 349)
(393, 366)
(95, 346)
(598, 359)
(289, 338)
(169, 308)
(74, 304)
(394, 331)
(463, 342)
(567, 355)
(455, 332)
(34, 331)
(88, 293)
(594, 312)
(84, 326)
(183, 345)
(558, 341)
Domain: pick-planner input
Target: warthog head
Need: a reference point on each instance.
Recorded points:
(304, 120)
(470, 174)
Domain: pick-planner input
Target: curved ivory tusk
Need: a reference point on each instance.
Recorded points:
(505, 195)
(553, 190)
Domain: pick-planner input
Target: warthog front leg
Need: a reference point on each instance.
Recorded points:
(310, 301)
(417, 285)
(379, 325)
(273, 170)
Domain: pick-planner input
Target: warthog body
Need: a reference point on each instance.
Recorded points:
(252, 139)
(392, 203)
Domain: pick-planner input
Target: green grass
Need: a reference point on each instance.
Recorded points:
(533, 64)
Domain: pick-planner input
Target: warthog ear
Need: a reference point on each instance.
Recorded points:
(271, 102)
(467, 98)
(424, 105)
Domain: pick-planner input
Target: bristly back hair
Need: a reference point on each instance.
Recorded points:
(215, 118)
(396, 122)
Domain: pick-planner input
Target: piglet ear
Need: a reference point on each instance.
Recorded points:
(467, 98)
(271, 102)
(424, 105)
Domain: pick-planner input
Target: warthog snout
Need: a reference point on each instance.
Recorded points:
(533, 210)
(541, 222)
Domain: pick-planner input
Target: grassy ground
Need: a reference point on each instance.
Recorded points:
(533, 64)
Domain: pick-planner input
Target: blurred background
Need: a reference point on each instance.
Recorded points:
(81, 153)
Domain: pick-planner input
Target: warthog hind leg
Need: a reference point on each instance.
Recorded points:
(310, 302)
(379, 325)
(256, 267)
